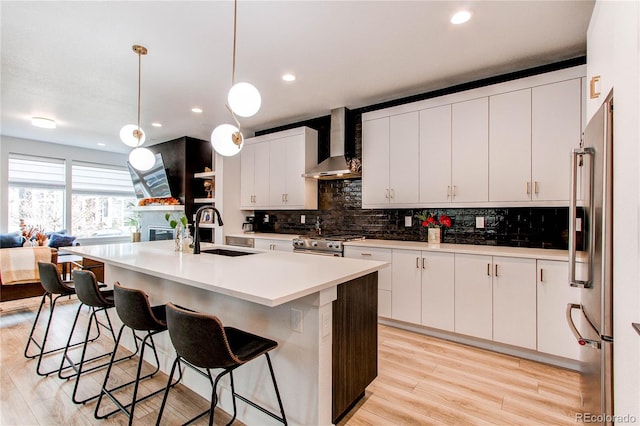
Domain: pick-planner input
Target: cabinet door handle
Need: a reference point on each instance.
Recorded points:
(417, 263)
(541, 275)
(365, 254)
(448, 191)
(454, 191)
(386, 193)
(423, 259)
(496, 267)
(535, 187)
(528, 188)
(393, 193)
(286, 197)
(488, 269)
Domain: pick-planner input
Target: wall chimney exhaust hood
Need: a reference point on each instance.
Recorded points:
(336, 166)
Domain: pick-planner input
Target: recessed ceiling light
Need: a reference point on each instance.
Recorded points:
(45, 123)
(461, 17)
(158, 124)
(102, 144)
(196, 110)
(288, 77)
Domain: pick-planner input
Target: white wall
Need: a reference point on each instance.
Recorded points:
(614, 34)
(11, 145)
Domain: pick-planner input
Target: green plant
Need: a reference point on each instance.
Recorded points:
(176, 219)
(134, 219)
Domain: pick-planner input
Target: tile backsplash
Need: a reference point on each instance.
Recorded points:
(340, 213)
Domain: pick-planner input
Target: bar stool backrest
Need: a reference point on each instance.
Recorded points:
(50, 279)
(134, 310)
(87, 289)
(199, 338)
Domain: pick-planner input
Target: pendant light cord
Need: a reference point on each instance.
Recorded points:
(139, 85)
(235, 20)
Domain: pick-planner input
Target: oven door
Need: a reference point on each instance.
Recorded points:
(318, 252)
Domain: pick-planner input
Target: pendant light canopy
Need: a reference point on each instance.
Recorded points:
(131, 134)
(243, 100)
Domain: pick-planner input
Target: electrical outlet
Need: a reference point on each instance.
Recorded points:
(303, 219)
(480, 222)
(407, 221)
(266, 218)
(297, 322)
(578, 224)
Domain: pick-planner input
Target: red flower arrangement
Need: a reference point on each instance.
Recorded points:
(431, 221)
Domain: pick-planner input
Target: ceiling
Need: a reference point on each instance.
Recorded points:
(73, 62)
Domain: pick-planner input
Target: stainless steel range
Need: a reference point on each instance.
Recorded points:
(325, 245)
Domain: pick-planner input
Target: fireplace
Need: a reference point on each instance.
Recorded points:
(157, 233)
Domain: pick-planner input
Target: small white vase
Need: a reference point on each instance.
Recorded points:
(433, 235)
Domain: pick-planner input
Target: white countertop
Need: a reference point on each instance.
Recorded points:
(269, 278)
(532, 253)
(267, 235)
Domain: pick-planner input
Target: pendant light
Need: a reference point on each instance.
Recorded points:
(243, 100)
(132, 135)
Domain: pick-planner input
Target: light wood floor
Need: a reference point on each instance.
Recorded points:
(421, 380)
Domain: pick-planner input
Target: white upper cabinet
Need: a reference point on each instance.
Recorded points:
(435, 155)
(470, 151)
(555, 131)
(510, 146)
(391, 154)
(506, 144)
(375, 162)
(254, 175)
(272, 168)
(403, 158)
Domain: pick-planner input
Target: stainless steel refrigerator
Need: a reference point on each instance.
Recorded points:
(591, 320)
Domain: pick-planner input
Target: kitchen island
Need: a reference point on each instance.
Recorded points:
(321, 310)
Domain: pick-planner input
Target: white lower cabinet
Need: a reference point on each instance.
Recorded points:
(423, 291)
(438, 305)
(384, 275)
(473, 295)
(514, 301)
(406, 286)
(554, 293)
(510, 300)
(273, 245)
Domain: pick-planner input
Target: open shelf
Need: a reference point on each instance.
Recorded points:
(204, 200)
(159, 208)
(204, 175)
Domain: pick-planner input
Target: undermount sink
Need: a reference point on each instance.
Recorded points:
(226, 252)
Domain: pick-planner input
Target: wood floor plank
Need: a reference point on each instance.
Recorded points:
(422, 380)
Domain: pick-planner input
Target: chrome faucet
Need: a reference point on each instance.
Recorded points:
(196, 226)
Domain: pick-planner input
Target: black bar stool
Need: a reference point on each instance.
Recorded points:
(136, 313)
(203, 343)
(89, 293)
(53, 285)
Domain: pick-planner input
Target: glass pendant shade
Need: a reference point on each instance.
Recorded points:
(222, 139)
(244, 99)
(142, 159)
(127, 136)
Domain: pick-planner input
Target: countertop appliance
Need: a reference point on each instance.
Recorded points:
(250, 225)
(326, 245)
(595, 156)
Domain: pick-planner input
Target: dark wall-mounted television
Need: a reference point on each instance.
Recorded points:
(152, 183)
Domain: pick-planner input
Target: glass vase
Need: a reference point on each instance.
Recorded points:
(179, 238)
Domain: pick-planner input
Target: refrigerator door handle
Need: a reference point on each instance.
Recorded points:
(573, 201)
(595, 344)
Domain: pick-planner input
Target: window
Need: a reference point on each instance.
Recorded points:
(100, 197)
(36, 192)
